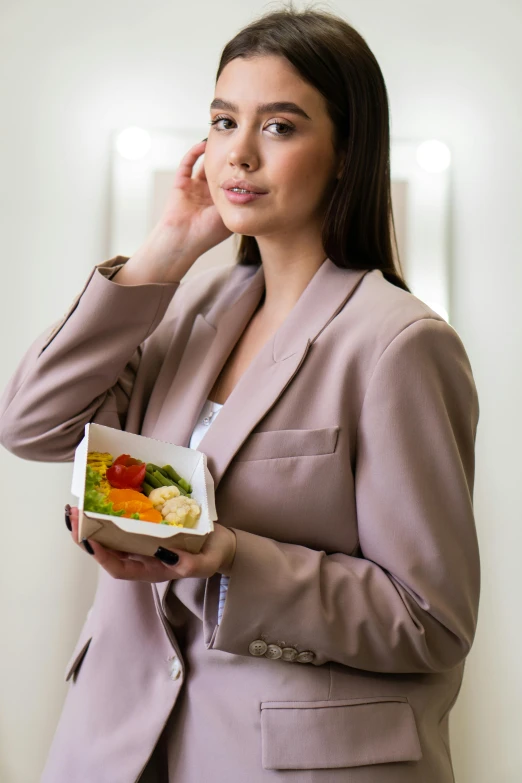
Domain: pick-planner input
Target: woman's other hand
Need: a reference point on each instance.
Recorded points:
(216, 556)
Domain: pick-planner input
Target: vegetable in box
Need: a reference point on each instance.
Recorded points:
(128, 487)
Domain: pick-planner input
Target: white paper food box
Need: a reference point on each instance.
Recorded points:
(134, 535)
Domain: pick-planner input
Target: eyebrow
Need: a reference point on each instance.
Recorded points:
(263, 108)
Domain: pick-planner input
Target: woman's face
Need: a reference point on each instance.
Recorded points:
(286, 151)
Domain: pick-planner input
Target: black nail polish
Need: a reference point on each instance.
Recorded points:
(87, 546)
(68, 517)
(166, 556)
(200, 143)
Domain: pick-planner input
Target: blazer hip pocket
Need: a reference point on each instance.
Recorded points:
(338, 733)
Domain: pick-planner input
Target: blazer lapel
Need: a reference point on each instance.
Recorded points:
(267, 376)
(275, 365)
(210, 343)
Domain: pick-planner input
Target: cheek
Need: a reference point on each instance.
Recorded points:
(304, 176)
(304, 165)
(214, 168)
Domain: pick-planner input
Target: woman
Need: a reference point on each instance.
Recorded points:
(322, 631)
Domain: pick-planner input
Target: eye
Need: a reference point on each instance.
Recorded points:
(220, 119)
(288, 129)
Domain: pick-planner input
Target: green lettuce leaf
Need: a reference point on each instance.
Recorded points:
(93, 499)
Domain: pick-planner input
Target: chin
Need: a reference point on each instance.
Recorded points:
(247, 228)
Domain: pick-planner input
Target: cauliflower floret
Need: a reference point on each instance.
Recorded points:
(158, 497)
(181, 510)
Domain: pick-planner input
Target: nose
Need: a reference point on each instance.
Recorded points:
(242, 154)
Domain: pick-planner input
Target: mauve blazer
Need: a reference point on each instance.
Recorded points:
(344, 461)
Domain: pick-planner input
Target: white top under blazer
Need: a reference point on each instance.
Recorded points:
(209, 414)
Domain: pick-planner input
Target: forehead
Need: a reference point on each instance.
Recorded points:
(247, 82)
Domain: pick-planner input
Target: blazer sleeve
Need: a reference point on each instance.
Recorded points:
(408, 600)
(82, 370)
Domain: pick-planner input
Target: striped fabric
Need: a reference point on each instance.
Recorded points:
(208, 415)
(223, 587)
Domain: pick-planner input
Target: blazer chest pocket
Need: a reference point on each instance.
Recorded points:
(277, 444)
(339, 733)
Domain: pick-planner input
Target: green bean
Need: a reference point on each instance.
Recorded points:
(181, 490)
(146, 488)
(152, 480)
(181, 482)
(169, 470)
(151, 468)
(164, 482)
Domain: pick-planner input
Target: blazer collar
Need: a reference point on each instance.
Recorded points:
(210, 343)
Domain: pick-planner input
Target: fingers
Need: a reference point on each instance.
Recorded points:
(121, 565)
(74, 522)
(137, 568)
(73, 517)
(111, 561)
(188, 160)
(200, 175)
(165, 565)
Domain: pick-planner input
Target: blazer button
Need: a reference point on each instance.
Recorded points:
(305, 657)
(289, 654)
(273, 652)
(175, 668)
(259, 647)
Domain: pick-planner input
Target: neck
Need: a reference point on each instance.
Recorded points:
(287, 271)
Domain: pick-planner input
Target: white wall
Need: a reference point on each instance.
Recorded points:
(69, 73)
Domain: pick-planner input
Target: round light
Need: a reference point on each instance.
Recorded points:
(433, 156)
(133, 143)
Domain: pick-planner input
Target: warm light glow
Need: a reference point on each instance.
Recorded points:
(133, 143)
(433, 156)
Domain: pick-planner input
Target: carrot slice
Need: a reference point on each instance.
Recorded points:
(151, 515)
(124, 495)
(133, 502)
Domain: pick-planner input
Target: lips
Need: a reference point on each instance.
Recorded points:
(242, 185)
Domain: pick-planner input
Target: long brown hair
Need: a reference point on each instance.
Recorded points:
(358, 229)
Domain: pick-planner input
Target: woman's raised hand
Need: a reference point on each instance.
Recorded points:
(190, 224)
(189, 208)
(216, 556)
